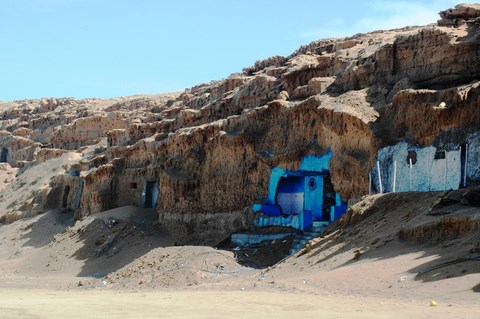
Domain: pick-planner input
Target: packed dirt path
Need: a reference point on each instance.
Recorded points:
(213, 304)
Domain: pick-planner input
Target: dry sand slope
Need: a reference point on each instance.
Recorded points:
(380, 260)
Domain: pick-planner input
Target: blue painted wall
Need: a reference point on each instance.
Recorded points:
(275, 175)
(311, 163)
(291, 184)
(314, 195)
(314, 163)
(338, 210)
(295, 198)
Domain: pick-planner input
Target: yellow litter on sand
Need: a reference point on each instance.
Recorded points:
(433, 303)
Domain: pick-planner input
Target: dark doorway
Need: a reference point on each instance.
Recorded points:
(4, 155)
(412, 155)
(328, 197)
(66, 191)
(151, 194)
(463, 162)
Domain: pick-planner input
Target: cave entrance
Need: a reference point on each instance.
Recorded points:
(4, 155)
(150, 194)
(329, 199)
(66, 191)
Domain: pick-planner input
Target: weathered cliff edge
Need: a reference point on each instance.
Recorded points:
(209, 150)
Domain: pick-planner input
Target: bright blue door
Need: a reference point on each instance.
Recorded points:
(314, 196)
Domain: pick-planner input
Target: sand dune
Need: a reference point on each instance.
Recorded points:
(362, 267)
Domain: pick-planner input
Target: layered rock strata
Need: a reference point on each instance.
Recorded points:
(209, 149)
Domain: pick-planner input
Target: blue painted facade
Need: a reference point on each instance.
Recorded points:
(299, 198)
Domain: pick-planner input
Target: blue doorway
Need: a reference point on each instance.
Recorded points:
(150, 194)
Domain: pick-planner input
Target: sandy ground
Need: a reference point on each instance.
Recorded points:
(214, 304)
(380, 261)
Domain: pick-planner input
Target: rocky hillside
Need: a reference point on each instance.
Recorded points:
(209, 149)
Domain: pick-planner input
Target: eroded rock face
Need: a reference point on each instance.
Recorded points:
(86, 131)
(208, 150)
(16, 149)
(416, 115)
(461, 14)
(222, 165)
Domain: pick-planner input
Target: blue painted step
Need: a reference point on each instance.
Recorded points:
(300, 240)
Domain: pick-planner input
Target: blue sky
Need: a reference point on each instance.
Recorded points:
(107, 48)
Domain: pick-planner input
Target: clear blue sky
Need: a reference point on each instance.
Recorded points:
(107, 48)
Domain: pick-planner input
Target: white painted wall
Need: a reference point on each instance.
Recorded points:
(428, 174)
(291, 203)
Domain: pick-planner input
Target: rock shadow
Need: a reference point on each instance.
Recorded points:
(110, 244)
(108, 240)
(48, 225)
(395, 224)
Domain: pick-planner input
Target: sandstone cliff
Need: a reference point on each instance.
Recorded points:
(209, 149)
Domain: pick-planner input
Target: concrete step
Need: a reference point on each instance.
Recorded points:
(303, 236)
(251, 239)
(301, 240)
(319, 227)
(311, 234)
(320, 224)
(317, 230)
(300, 243)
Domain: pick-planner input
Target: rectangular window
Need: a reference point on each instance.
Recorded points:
(439, 155)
